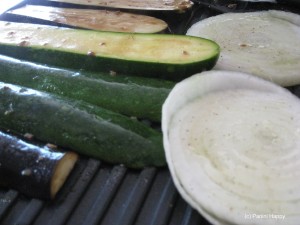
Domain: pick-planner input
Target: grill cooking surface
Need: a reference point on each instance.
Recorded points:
(97, 193)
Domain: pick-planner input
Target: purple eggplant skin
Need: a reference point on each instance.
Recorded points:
(27, 168)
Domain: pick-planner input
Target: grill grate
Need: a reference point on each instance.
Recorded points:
(97, 193)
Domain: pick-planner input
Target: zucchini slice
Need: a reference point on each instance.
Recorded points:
(84, 128)
(155, 55)
(141, 98)
(102, 20)
(232, 145)
(265, 43)
(161, 5)
(34, 171)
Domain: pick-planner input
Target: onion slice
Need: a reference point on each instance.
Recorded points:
(232, 144)
(265, 43)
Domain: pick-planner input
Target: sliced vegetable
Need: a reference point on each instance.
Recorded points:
(103, 20)
(155, 55)
(142, 98)
(170, 5)
(112, 138)
(232, 145)
(33, 170)
(130, 124)
(265, 43)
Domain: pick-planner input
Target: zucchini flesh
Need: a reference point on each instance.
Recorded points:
(66, 123)
(177, 5)
(155, 55)
(34, 171)
(103, 20)
(142, 98)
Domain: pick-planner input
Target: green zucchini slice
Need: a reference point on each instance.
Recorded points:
(103, 20)
(132, 96)
(155, 55)
(84, 128)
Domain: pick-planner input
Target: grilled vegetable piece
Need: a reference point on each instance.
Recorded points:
(9, 67)
(155, 55)
(170, 5)
(102, 20)
(33, 170)
(138, 97)
(68, 124)
(240, 134)
(270, 50)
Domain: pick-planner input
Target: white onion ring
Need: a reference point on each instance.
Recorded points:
(265, 43)
(232, 143)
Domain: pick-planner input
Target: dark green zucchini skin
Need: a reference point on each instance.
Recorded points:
(26, 167)
(59, 121)
(172, 72)
(137, 97)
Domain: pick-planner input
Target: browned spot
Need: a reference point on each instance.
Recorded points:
(24, 43)
(11, 33)
(91, 53)
(185, 52)
(25, 38)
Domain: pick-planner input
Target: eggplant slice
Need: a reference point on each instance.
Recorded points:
(161, 5)
(103, 20)
(34, 171)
